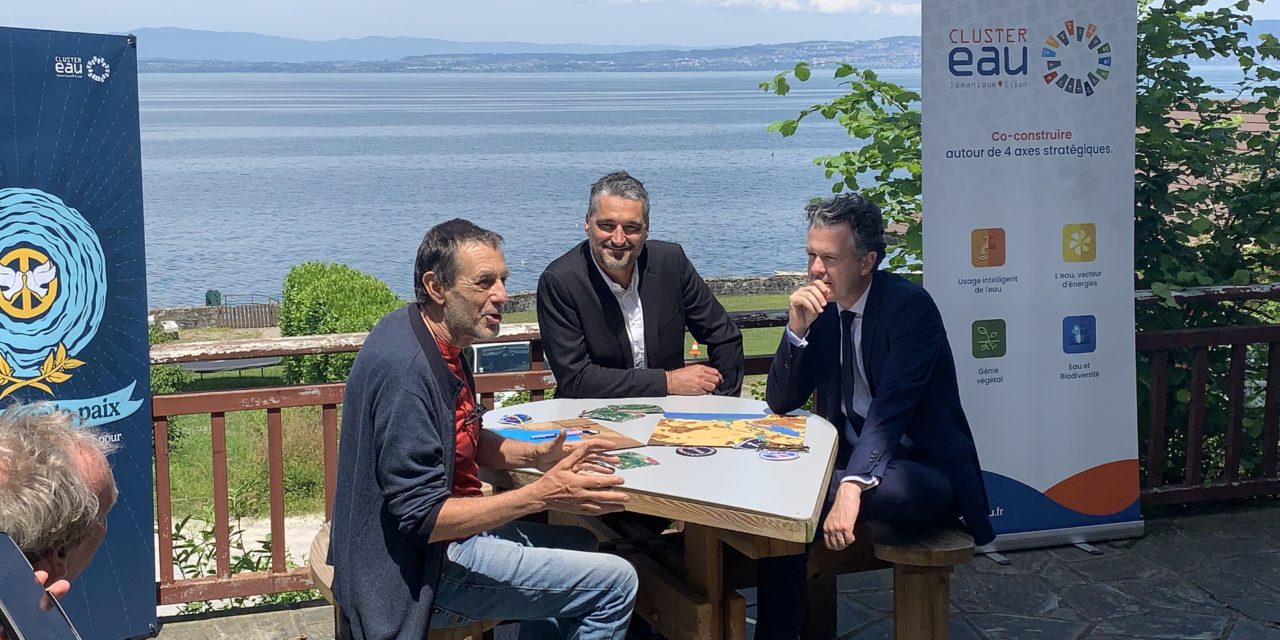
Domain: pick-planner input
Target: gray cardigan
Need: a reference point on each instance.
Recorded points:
(395, 470)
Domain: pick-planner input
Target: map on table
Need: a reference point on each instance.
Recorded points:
(728, 430)
(578, 428)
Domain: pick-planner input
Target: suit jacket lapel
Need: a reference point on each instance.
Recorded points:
(613, 319)
(651, 299)
(870, 320)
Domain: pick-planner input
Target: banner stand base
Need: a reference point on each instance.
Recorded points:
(1064, 537)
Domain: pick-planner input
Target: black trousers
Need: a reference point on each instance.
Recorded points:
(912, 494)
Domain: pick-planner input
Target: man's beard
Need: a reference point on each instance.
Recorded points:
(607, 261)
(463, 323)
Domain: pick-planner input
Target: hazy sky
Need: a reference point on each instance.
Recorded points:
(679, 22)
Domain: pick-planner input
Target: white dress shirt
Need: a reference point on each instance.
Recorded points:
(632, 312)
(861, 393)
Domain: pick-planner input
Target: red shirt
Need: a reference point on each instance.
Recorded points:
(466, 425)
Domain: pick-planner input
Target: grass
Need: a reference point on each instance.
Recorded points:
(754, 341)
(191, 460)
(191, 463)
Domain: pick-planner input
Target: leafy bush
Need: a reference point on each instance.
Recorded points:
(324, 297)
(166, 378)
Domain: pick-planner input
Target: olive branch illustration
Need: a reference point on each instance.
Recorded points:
(52, 371)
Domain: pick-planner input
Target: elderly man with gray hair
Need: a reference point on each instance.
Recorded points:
(56, 489)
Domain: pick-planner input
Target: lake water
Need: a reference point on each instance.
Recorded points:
(246, 175)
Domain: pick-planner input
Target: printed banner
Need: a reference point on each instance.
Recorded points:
(73, 312)
(1028, 124)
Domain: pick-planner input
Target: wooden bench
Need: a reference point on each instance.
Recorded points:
(922, 566)
(322, 579)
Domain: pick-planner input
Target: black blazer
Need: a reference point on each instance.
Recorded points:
(912, 376)
(585, 338)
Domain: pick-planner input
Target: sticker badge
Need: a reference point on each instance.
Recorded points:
(696, 452)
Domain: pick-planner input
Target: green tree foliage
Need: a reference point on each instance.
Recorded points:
(884, 166)
(1205, 194)
(322, 298)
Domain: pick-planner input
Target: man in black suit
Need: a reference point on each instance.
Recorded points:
(613, 310)
(874, 347)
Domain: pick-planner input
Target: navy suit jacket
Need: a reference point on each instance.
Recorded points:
(912, 376)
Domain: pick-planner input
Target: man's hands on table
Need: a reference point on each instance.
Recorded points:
(837, 529)
(578, 483)
(693, 380)
(545, 456)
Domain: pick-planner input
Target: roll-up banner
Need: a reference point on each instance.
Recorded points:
(1028, 164)
(73, 312)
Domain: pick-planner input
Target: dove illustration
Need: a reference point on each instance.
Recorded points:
(10, 282)
(37, 280)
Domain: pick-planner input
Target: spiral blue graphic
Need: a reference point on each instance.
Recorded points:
(42, 221)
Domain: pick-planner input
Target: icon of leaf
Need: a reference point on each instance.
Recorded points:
(62, 354)
(58, 377)
(41, 386)
(5, 370)
(72, 363)
(47, 366)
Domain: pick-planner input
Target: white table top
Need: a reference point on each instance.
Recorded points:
(732, 489)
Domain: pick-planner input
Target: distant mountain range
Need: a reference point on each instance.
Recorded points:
(189, 44)
(184, 50)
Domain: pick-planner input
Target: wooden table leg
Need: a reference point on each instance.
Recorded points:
(920, 602)
(704, 571)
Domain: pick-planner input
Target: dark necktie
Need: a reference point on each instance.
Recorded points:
(848, 364)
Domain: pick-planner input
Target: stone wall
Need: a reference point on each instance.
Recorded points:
(187, 317)
(192, 317)
(727, 286)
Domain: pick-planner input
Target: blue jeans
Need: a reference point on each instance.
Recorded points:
(548, 576)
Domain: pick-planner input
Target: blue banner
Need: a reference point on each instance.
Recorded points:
(73, 308)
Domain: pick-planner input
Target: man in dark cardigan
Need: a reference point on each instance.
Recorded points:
(415, 544)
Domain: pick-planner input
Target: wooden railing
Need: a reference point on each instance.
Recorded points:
(1162, 349)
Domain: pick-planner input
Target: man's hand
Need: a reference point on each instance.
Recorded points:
(837, 529)
(57, 588)
(693, 380)
(563, 488)
(546, 455)
(805, 304)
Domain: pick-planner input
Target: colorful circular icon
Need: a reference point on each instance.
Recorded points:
(1076, 58)
(768, 454)
(696, 452)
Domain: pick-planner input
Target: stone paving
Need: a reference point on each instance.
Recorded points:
(1211, 576)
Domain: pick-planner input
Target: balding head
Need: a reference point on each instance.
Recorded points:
(56, 485)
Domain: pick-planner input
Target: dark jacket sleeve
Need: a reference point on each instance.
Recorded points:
(790, 381)
(915, 336)
(710, 325)
(412, 469)
(566, 351)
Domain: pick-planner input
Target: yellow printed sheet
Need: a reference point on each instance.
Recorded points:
(728, 430)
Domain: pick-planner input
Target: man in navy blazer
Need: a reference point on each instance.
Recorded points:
(874, 347)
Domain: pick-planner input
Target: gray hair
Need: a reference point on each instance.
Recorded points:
(619, 184)
(439, 252)
(47, 502)
(863, 217)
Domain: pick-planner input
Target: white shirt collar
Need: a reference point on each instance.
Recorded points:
(615, 287)
(859, 306)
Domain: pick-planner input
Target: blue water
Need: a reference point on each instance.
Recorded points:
(246, 175)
